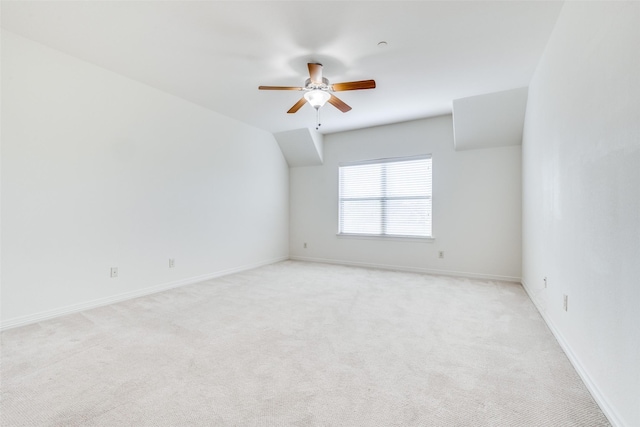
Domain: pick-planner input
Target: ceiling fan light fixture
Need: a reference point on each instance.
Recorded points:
(317, 98)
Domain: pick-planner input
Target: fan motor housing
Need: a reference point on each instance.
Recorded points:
(309, 85)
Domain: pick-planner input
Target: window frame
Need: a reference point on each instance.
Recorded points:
(384, 236)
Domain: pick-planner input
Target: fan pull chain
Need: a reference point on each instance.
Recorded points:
(318, 124)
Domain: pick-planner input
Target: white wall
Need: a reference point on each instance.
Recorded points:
(581, 197)
(476, 199)
(101, 171)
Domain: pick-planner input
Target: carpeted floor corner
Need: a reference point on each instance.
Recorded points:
(298, 344)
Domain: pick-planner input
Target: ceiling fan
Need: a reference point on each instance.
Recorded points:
(318, 90)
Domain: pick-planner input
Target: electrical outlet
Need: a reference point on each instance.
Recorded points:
(304, 245)
(565, 302)
(440, 254)
(545, 281)
(172, 262)
(114, 272)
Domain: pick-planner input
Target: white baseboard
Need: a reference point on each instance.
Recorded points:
(602, 401)
(74, 308)
(409, 269)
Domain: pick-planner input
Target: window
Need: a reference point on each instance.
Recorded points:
(387, 197)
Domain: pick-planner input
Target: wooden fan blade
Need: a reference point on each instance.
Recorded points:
(339, 104)
(297, 106)
(315, 73)
(362, 84)
(279, 88)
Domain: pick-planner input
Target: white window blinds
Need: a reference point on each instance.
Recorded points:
(390, 197)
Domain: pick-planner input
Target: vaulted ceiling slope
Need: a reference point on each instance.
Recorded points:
(217, 53)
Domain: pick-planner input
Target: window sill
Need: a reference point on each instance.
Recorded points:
(379, 237)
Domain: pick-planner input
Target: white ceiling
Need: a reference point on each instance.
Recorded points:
(217, 53)
(475, 119)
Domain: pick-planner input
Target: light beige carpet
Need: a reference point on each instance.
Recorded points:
(298, 344)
